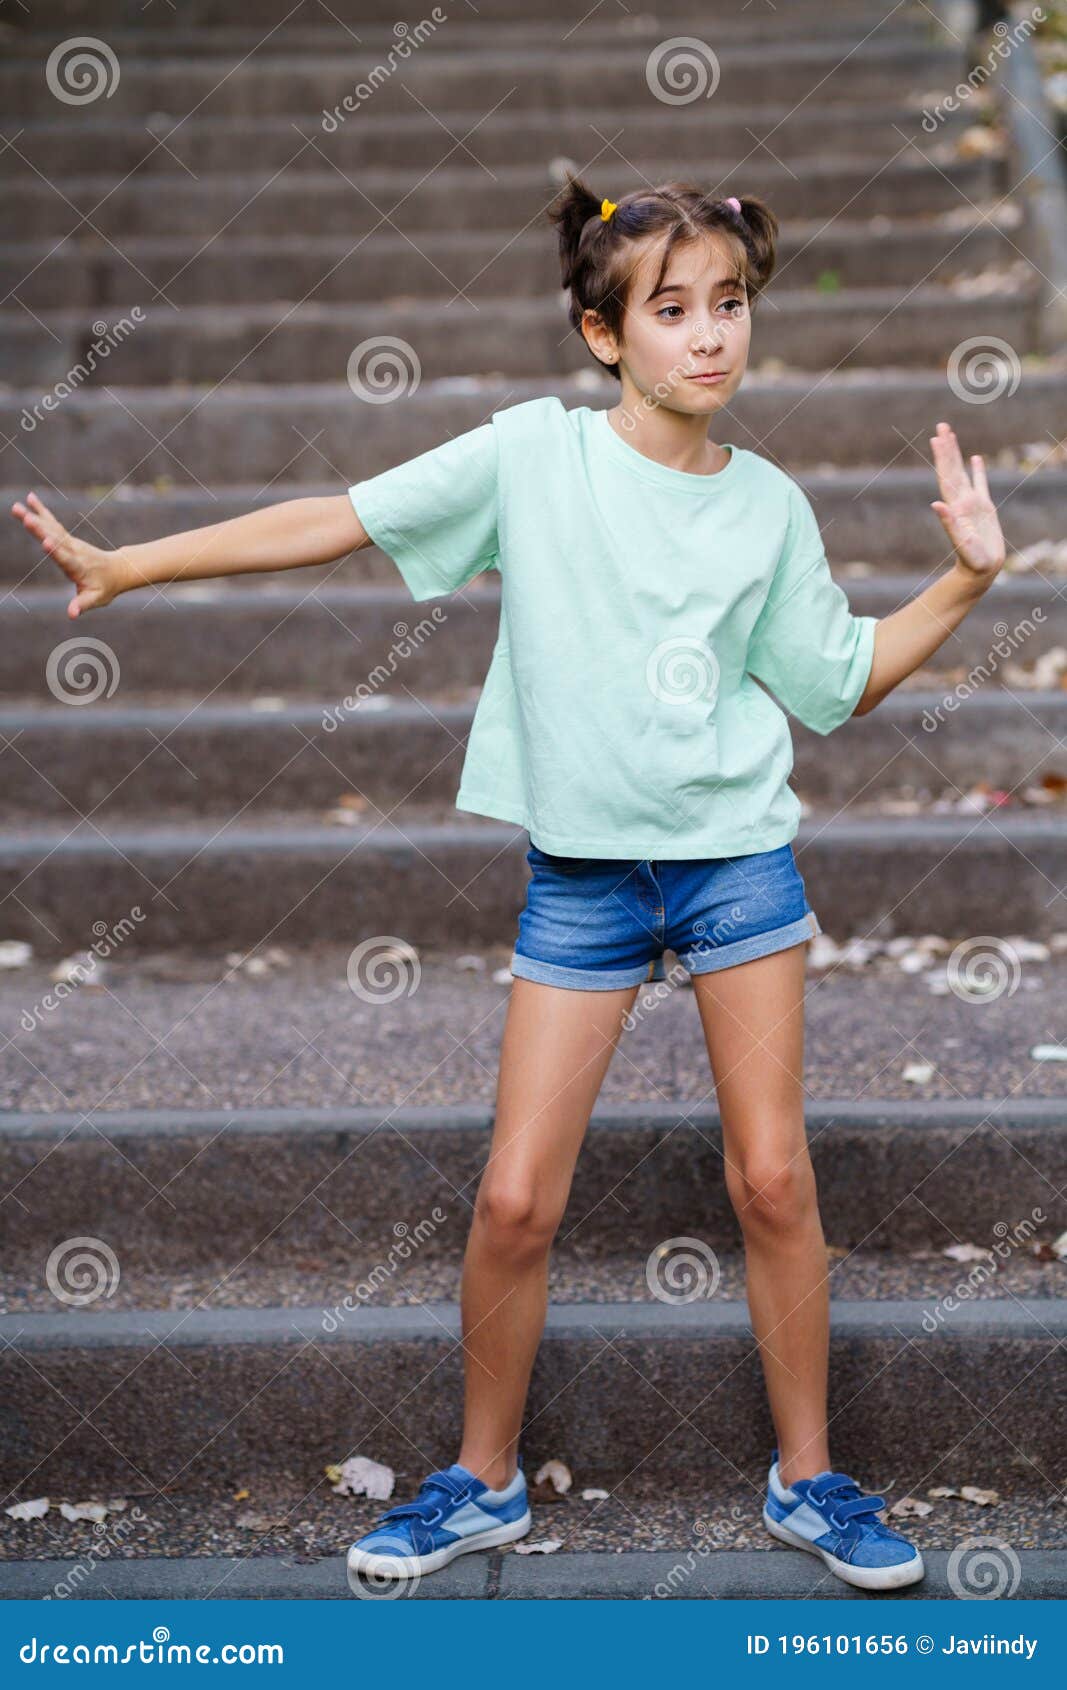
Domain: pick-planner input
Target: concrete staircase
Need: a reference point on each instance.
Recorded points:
(251, 1143)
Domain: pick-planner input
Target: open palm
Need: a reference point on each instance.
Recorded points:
(968, 515)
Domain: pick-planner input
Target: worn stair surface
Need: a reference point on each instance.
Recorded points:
(245, 780)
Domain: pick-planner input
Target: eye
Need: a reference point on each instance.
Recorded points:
(740, 303)
(665, 308)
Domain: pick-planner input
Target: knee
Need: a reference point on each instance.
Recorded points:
(771, 1195)
(515, 1222)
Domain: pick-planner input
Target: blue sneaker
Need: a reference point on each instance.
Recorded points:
(830, 1516)
(453, 1512)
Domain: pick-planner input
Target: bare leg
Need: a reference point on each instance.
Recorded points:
(556, 1049)
(753, 1020)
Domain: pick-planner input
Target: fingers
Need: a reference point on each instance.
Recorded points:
(948, 461)
(981, 485)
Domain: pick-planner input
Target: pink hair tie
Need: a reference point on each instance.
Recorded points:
(735, 202)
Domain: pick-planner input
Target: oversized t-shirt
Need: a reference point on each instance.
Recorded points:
(640, 607)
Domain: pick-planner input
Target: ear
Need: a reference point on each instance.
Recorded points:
(599, 339)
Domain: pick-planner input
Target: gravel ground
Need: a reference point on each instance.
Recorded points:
(574, 1277)
(178, 1029)
(317, 1523)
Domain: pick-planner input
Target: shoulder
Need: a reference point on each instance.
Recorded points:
(533, 418)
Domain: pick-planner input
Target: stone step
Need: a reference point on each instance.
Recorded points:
(182, 644)
(245, 432)
(80, 272)
(663, 1386)
(258, 17)
(312, 1568)
(123, 761)
(551, 78)
(268, 1205)
(208, 145)
(867, 516)
(283, 1045)
(512, 199)
(283, 879)
(278, 343)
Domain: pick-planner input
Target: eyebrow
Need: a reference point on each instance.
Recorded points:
(683, 287)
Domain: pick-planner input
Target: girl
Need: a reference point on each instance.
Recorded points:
(650, 578)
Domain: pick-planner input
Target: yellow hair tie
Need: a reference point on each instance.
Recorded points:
(606, 209)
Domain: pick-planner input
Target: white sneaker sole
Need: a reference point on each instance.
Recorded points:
(404, 1566)
(867, 1578)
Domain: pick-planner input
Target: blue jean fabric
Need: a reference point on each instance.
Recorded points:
(598, 923)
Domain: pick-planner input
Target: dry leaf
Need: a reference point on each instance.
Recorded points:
(546, 1546)
(555, 1473)
(594, 1496)
(919, 1072)
(909, 1507)
(984, 1498)
(943, 1490)
(359, 1476)
(29, 1510)
(967, 1252)
(241, 1495)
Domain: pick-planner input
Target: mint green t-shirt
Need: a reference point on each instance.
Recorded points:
(640, 606)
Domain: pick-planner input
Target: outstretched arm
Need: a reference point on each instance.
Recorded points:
(283, 536)
(904, 640)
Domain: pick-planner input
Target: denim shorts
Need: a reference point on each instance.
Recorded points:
(598, 923)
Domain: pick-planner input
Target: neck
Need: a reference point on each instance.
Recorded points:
(672, 438)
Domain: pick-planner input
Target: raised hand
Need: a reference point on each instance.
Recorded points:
(968, 515)
(97, 575)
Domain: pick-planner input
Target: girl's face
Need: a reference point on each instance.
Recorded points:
(695, 324)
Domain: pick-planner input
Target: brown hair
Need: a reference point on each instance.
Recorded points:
(597, 257)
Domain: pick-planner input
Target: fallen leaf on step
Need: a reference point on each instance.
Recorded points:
(555, 1473)
(1049, 1053)
(918, 1072)
(29, 1510)
(594, 1496)
(983, 1498)
(97, 1511)
(967, 1252)
(943, 1490)
(241, 1495)
(14, 953)
(359, 1476)
(910, 1507)
(546, 1546)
